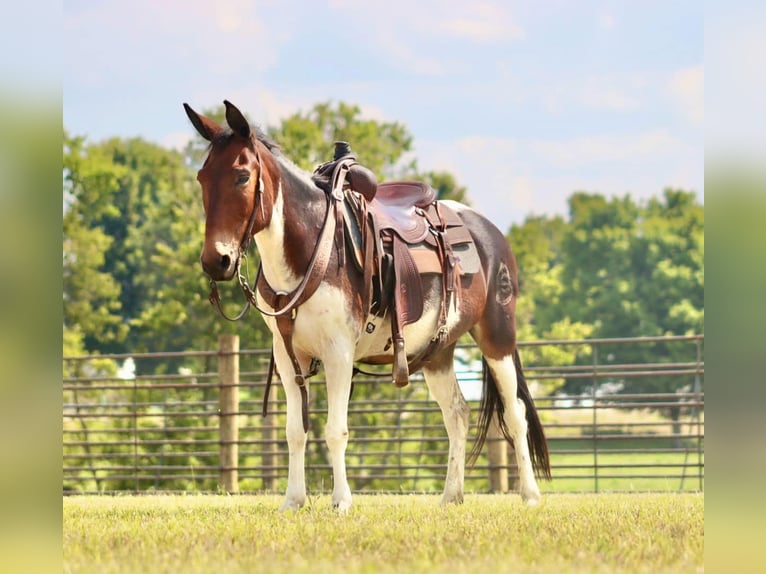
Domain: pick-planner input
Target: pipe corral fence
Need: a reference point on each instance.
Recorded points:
(192, 422)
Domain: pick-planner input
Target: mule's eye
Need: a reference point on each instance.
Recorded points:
(243, 178)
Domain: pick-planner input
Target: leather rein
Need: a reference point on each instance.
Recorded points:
(285, 304)
(315, 271)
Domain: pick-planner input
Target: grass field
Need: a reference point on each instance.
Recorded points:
(384, 533)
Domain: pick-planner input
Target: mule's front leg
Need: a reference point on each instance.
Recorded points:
(296, 436)
(338, 370)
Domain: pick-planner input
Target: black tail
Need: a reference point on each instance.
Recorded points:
(492, 403)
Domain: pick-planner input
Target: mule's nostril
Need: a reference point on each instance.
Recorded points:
(225, 261)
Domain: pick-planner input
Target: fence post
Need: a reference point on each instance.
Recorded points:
(497, 455)
(228, 408)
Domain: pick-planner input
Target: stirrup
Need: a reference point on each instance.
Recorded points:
(400, 371)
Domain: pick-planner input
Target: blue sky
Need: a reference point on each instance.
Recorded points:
(525, 102)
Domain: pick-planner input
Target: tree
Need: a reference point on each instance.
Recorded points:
(537, 247)
(307, 138)
(132, 234)
(636, 270)
(91, 295)
(614, 268)
(445, 184)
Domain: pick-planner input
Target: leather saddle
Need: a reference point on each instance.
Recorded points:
(398, 205)
(397, 232)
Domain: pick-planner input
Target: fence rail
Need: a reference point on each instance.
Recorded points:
(192, 422)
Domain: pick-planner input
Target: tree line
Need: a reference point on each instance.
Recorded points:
(133, 228)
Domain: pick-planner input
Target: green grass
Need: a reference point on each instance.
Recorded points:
(384, 533)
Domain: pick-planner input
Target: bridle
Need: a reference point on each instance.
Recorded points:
(285, 304)
(244, 244)
(281, 301)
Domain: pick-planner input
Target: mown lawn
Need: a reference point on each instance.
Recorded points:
(384, 533)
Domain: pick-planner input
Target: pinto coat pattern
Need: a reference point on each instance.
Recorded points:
(251, 191)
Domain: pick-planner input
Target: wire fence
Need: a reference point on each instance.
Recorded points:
(168, 422)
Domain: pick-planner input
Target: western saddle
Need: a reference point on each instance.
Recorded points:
(396, 232)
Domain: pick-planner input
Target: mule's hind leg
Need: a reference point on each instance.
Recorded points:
(504, 371)
(442, 383)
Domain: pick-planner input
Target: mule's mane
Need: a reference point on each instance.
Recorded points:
(224, 137)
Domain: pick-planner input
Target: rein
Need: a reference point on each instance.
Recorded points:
(317, 266)
(244, 244)
(285, 304)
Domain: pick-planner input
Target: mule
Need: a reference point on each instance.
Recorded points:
(251, 191)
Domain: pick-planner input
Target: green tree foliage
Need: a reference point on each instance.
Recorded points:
(132, 235)
(615, 268)
(91, 294)
(638, 268)
(133, 227)
(307, 138)
(445, 184)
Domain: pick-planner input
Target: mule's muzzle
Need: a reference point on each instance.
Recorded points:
(219, 266)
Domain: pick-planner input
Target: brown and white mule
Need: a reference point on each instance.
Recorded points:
(251, 191)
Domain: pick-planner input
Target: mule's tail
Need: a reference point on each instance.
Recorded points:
(492, 404)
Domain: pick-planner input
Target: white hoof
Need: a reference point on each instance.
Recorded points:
(452, 498)
(341, 499)
(531, 497)
(292, 504)
(342, 506)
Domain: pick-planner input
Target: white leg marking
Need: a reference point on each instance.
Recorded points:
(323, 329)
(444, 388)
(338, 367)
(296, 437)
(516, 421)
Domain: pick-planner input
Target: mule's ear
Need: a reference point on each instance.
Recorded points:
(236, 120)
(208, 129)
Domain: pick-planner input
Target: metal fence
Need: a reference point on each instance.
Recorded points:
(192, 422)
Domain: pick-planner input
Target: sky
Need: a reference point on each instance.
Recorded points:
(524, 102)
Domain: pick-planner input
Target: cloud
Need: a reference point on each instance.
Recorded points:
(482, 22)
(688, 87)
(406, 53)
(178, 140)
(509, 178)
(606, 21)
(601, 92)
(600, 149)
(150, 40)
(617, 92)
(411, 35)
(478, 20)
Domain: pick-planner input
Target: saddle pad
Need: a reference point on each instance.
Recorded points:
(427, 260)
(423, 254)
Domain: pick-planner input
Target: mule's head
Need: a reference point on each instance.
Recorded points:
(232, 191)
